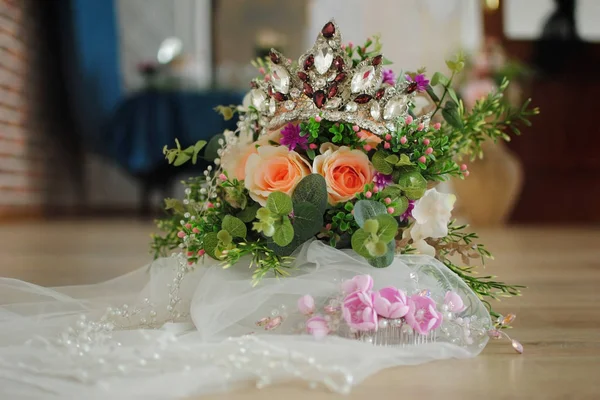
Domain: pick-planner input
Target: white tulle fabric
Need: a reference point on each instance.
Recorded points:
(161, 333)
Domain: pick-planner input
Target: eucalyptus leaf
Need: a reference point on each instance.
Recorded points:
(308, 220)
(279, 203)
(284, 232)
(392, 191)
(388, 227)
(385, 260)
(175, 205)
(181, 159)
(235, 226)
(359, 242)
(401, 206)
(451, 115)
(313, 189)
(403, 161)
(212, 147)
(393, 159)
(367, 209)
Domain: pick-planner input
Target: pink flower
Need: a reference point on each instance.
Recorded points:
(422, 315)
(390, 302)
(360, 283)
(306, 304)
(358, 311)
(317, 326)
(454, 302)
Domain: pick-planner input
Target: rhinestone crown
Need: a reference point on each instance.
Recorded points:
(325, 82)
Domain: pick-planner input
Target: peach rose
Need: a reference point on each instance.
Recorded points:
(274, 169)
(371, 139)
(346, 172)
(234, 161)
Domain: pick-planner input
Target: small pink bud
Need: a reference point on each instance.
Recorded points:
(466, 173)
(356, 128)
(375, 189)
(181, 234)
(390, 210)
(188, 226)
(201, 252)
(426, 142)
(368, 194)
(429, 150)
(267, 78)
(463, 167)
(190, 263)
(196, 230)
(421, 127)
(223, 177)
(313, 146)
(408, 120)
(437, 126)
(328, 227)
(343, 47)
(422, 159)
(352, 212)
(388, 137)
(190, 253)
(350, 44)
(318, 118)
(210, 205)
(388, 200)
(403, 140)
(387, 145)
(367, 147)
(262, 70)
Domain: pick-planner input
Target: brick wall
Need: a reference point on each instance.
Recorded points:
(22, 148)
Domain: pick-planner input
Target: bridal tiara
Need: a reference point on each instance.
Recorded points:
(326, 81)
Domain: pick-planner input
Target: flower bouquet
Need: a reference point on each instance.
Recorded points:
(330, 153)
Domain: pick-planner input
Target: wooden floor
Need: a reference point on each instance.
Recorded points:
(558, 317)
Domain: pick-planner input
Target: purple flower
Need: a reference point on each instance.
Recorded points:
(382, 180)
(389, 77)
(290, 137)
(408, 212)
(418, 83)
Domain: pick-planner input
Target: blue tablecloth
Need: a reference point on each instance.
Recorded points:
(148, 120)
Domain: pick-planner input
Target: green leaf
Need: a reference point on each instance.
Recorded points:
(385, 260)
(181, 159)
(171, 156)
(432, 94)
(401, 206)
(234, 226)
(311, 154)
(279, 203)
(376, 249)
(313, 189)
(371, 226)
(225, 111)
(393, 159)
(403, 161)
(359, 242)
(367, 209)
(308, 220)
(451, 65)
(211, 241)
(248, 214)
(224, 237)
(451, 115)
(284, 232)
(175, 205)
(199, 146)
(210, 151)
(413, 185)
(435, 79)
(388, 227)
(453, 95)
(392, 191)
(380, 163)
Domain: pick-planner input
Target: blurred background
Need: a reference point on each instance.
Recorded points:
(90, 91)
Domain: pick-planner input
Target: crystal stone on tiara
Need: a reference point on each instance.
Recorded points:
(324, 81)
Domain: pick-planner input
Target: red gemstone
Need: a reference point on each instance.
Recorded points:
(279, 96)
(303, 76)
(338, 63)
(333, 89)
(377, 60)
(340, 77)
(270, 91)
(309, 62)
(379, 94)
(319, 98)
(328, 30)
(274, 58)
(363, 98)
(411, 87)
(308, 90)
